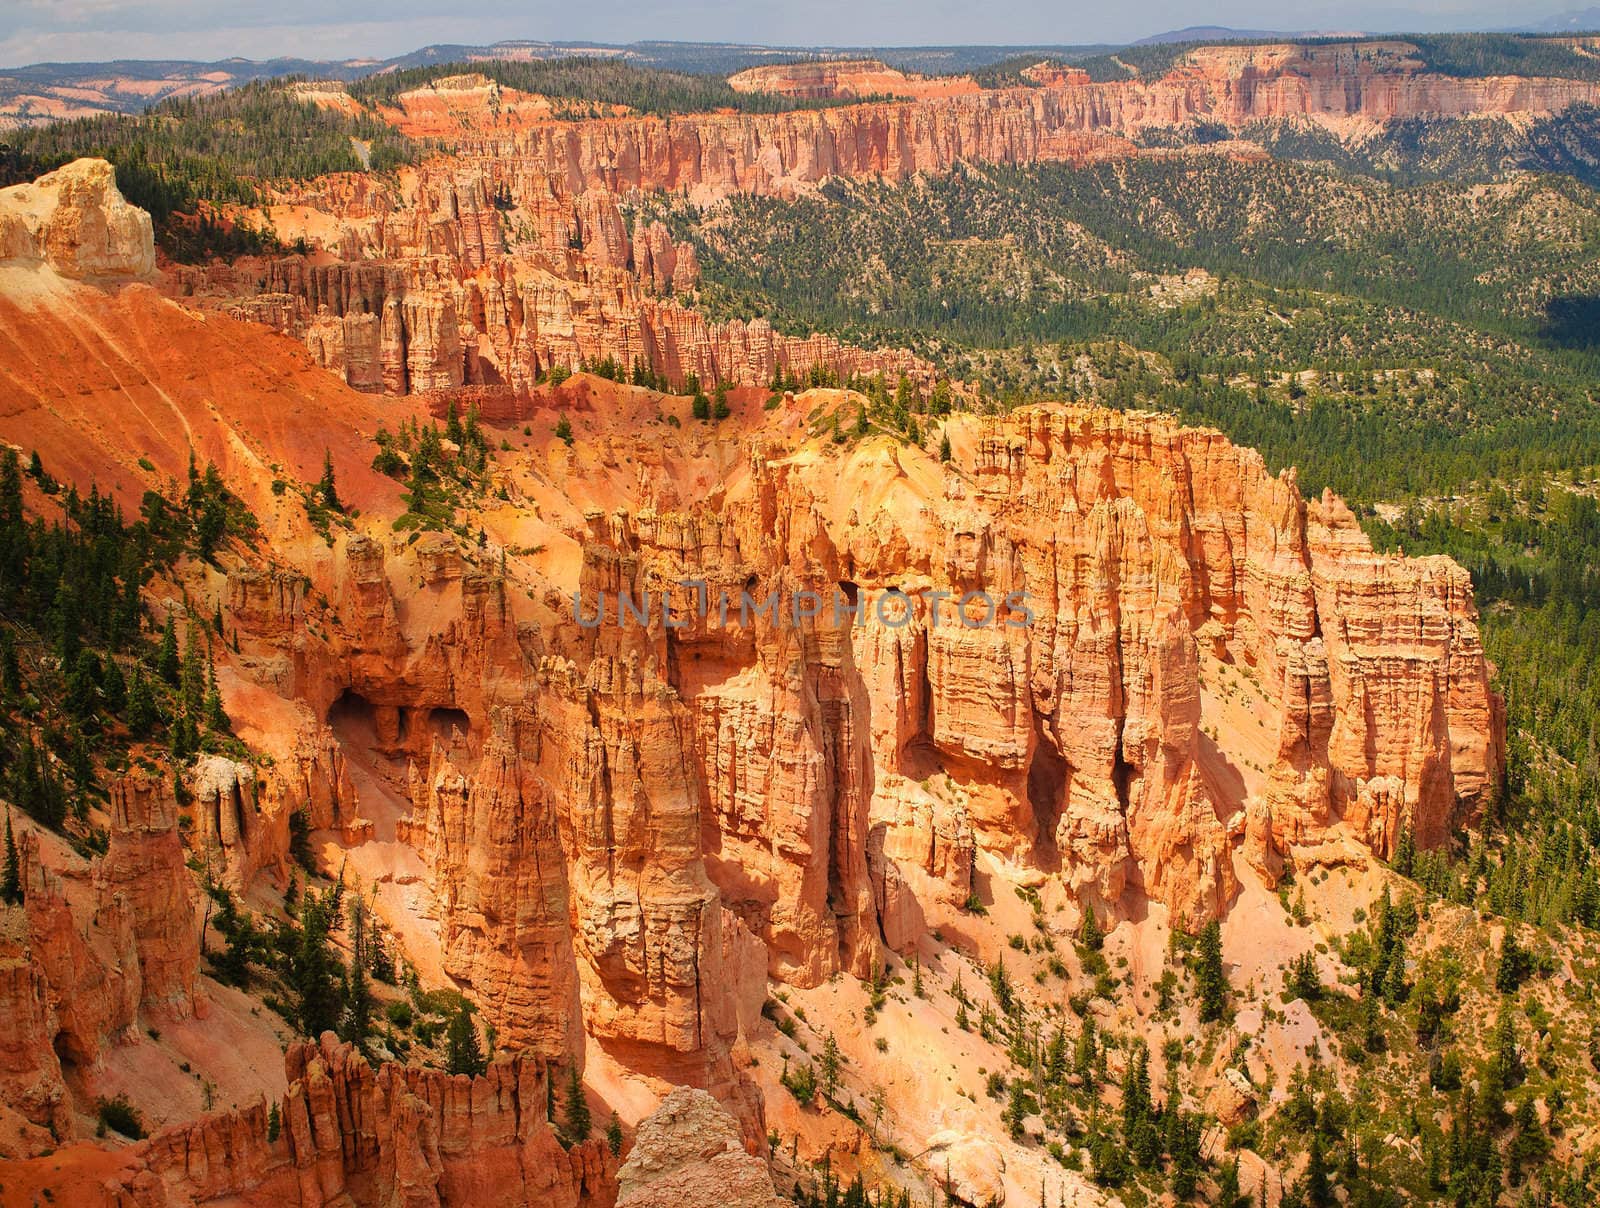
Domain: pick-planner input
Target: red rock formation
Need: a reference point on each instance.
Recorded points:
(629, 827)
(510, 257)
(350, 1134)
(143, 876)
(128, 942)
(1075, 741)
(846, 78)
(30, 1072)
(414, 327)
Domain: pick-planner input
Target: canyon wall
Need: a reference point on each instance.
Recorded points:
(347, 1133)
(510, 255)
(1132, 665)
(1067, 119)
(1071, 742)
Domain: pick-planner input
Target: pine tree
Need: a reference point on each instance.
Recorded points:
(357, 1019)
(1515, 964)
(720, 409)
(1211, 982)
(10, 668)
(167, 665)
(1016, 1111)
(216, 716)
(315, 970)
(828, 1066)
(564, 431)
(463, 1053)
(192, 679)
(1531, 1146)
(577, 1124)
(326, 489)
(701, 406)
(274, 1123)
(114, 688)
(1083, 1053)
(1135, 1091)
(614, 1136)
(382, 962)
(1303, 979)
(1055, 1062)
(1405, 853)
(1315, 1186)
(1228, 1195)
(11, 878)
(944, 447)
(1089, 934)
(142, 715)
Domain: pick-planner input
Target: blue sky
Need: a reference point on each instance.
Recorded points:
(39, 30)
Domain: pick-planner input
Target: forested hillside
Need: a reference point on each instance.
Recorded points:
(187, 155)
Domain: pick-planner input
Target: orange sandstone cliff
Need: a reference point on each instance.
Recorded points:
(1155, 671)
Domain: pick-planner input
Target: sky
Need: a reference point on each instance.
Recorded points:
(64, 30)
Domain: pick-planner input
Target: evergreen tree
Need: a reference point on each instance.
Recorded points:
(1089, 934)
(1083, 1052)
(1228, 1194)
(326, 490)
(1515, 964)
(701, 406)
(1016, 1109)
(1314, 1184)
(315, 969)
(463, 1053)
(614, 1136)
(564, 431)
(1405, 853)
(944, 447)
(10, 668)
(1211, 982)
(1530, 1146)
(1055, 1062)
(192, 679)
(167, 665)
(1303, 979)
(382, 963)
(357, 1019)
(11, 877)
(720, 409)
(113, 688)
(828, 1066)
(274, 1123)
(577, 1124)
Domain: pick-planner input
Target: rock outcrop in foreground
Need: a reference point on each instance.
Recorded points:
(75, 221)
(349, 1134)
(687, 1154)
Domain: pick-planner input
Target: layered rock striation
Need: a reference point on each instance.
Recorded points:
(349, 1134)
